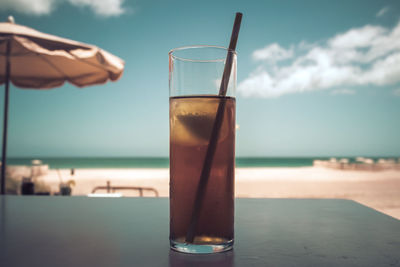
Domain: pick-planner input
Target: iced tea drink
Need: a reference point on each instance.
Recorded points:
(191, 122)
(202, 148)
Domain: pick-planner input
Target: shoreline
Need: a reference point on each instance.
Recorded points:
(376, 189)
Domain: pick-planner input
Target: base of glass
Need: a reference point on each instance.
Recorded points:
(201, 248)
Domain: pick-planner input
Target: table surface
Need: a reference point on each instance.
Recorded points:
(81, 231)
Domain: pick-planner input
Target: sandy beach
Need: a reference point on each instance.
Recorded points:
(377, 189)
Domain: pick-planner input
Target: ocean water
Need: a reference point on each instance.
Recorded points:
(137, 162)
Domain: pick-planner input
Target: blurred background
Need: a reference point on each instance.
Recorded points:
(318, 97)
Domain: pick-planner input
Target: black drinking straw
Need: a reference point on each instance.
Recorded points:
(212, 146)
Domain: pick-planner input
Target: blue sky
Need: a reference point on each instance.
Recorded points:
(315, 78)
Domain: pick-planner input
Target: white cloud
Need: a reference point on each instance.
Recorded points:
(343, 92)
(36, 7)
(44, 7)
(382, 12)
(102, 7)
(272, 53)
(360, 56)
(396, 92)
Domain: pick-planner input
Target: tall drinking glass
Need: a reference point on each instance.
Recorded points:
(201, 208)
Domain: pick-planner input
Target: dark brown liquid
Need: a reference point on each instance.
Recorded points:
(191, 122)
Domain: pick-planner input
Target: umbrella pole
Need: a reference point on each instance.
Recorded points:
(5, 121)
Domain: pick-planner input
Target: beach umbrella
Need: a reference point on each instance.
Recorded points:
(32, 59)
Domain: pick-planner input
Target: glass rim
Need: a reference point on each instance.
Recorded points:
(171, 53)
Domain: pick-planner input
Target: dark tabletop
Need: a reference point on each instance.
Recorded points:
(81, 231)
